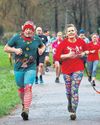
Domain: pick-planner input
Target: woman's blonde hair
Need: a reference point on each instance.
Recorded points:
(70, 25)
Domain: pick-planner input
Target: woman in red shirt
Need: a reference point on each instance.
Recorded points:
(70, 53)
(93, 57)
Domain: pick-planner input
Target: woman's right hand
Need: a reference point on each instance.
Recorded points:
(71, 55)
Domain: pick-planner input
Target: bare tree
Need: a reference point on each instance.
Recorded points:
(53, 14)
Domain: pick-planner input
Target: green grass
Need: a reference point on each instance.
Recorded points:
(98, 72)
(4, 63)
(8, 89)
(50, 56)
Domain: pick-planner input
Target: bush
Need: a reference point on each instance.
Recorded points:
(6, 37)
(1, 30)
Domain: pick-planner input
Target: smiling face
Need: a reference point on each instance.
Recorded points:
(71, 32)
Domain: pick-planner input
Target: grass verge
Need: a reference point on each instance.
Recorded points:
(8, 90)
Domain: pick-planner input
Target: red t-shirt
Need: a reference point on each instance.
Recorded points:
(71, 64)
(93, 56)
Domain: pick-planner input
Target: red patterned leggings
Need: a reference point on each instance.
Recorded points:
(72, 82)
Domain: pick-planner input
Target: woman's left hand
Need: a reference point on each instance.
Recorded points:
(81, 54)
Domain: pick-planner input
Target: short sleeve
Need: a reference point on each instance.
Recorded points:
(40, 43)
(11, 42)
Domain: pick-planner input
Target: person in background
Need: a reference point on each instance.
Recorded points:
(48, 44)
(93, 57)
(88, 35)
(57, 63)
(53, 37)
(70, 52)
(83, 36)
(25, 46)
(41, 58)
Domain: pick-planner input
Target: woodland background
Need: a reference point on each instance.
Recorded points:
(51, 14)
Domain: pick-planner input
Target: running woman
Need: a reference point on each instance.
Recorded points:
(70, 53)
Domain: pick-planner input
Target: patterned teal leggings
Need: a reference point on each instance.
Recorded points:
(72, 82)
